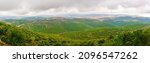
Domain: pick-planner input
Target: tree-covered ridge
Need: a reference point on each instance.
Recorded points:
(134, 38)
(17, 36)
(12, 35)
(61, 25)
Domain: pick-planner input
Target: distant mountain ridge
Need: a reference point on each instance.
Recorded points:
(72, 16)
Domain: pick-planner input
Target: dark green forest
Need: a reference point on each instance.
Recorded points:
(74, 32)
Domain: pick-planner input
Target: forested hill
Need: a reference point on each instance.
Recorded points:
(11, 35)
(16, 36)
(132, 38)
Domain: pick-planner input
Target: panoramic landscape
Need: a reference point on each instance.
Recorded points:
(107, 23)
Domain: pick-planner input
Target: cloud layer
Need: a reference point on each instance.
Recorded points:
(51, 7)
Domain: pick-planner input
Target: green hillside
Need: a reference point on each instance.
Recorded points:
(12, 35)
(133, 38)
(74, 32)
(62, 25)
(101, 32)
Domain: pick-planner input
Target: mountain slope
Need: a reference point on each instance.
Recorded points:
(132, 38)
(60, 25)
(18, 36)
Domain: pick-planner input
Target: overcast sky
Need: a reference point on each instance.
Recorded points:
(50, 7)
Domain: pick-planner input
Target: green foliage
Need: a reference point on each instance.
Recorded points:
(135, 38)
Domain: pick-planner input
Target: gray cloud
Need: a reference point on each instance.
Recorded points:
(47, 4)
(9, 4)
(30, 7)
